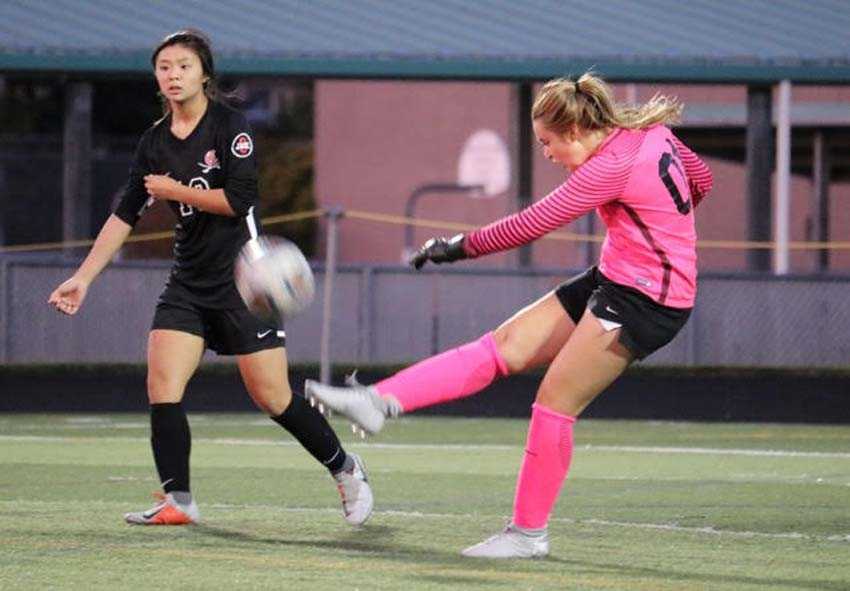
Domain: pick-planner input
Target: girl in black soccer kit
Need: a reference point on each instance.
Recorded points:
(199, 158)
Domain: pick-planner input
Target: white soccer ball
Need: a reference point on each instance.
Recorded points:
(273, 277)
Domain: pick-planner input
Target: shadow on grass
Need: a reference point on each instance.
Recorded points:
(379, 539)
(703, 580)
(374, 539)
(368, 538)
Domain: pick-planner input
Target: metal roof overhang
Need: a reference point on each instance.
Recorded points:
(454, 67)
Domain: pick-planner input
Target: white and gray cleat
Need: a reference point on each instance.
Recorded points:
(356, 494)
(362, 405)
(512, 542)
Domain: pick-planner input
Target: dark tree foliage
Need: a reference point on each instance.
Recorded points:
(281, 112)
(286, 186)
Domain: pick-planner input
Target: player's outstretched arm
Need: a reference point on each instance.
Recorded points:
(440, 250)
(69, 296)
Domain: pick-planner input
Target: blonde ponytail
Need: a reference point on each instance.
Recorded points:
(588, 104)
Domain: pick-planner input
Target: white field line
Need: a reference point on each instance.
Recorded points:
(799, 479)
(747, 478)
(452, 446)
(663, 527)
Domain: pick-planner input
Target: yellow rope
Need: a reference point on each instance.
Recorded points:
(151, 236)
(456, 227)
(572, 237)
(293, 217)
(434, 224)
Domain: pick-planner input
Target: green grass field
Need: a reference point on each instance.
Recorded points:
(647, 506)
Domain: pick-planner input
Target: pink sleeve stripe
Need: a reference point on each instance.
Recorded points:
(699, 174)
(598, 181)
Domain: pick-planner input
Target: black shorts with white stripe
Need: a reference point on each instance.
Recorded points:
(229, 331)
(646, 325)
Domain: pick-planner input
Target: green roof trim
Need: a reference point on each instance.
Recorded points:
(694, 71)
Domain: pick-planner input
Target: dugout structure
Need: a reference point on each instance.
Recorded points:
(766, 45)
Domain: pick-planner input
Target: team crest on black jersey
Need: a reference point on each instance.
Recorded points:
(242, 145)
(210, 162)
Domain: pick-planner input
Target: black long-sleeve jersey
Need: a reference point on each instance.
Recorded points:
(218, 154)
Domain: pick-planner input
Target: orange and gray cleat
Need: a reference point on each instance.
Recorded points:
(165, 512)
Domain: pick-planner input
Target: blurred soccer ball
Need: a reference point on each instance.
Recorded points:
(273, 278)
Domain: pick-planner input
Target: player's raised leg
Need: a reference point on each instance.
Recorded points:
(529, 339)
(591, 359)
(265, 376)
(173, 356)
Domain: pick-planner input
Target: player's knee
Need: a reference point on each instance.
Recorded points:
(271, 398)
(510, 349)
(163, 388)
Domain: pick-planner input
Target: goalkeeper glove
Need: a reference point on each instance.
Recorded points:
(440, 250)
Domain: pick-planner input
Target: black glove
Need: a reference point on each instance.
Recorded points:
(440, 250)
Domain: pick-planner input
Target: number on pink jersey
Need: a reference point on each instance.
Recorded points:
(668, 158)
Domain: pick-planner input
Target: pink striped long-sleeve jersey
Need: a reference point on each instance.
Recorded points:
(644, 184)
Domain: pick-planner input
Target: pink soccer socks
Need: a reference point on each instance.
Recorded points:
(548, 451)
(456, 373)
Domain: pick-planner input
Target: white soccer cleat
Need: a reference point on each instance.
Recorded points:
(511, 543)
(166, 512)
(356, 494)
(362, 405)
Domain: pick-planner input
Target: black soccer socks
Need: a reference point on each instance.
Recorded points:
(171, 442)
(311, 429)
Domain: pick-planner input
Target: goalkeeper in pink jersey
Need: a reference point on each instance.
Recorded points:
(644, 183)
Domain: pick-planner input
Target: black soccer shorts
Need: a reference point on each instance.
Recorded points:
(232, 331)
(646, 325)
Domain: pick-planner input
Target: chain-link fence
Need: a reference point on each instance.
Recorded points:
(379, 315)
